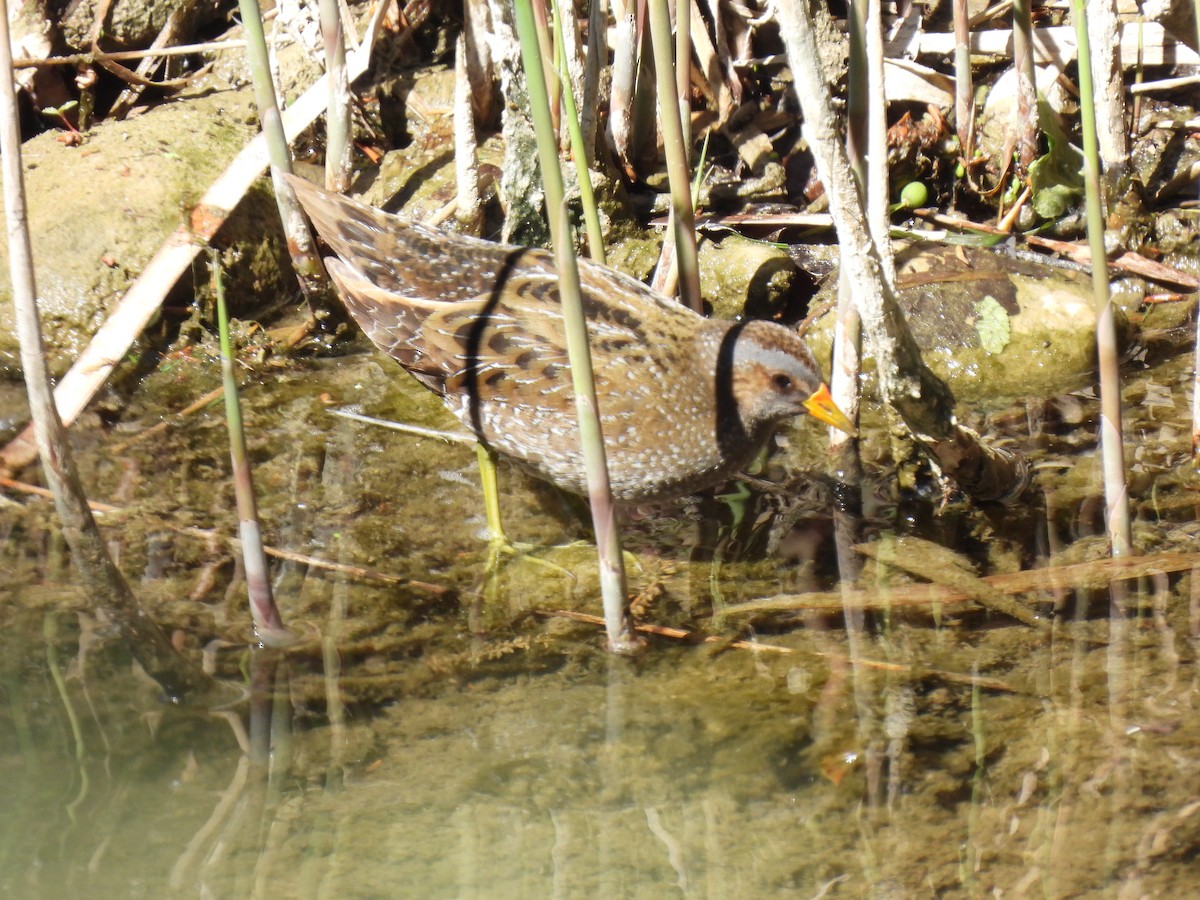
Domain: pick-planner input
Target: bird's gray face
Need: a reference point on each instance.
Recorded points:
(774, 374)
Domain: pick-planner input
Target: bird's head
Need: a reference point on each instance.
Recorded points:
(776, 377)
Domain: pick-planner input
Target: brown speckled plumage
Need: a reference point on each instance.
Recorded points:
(685, 402)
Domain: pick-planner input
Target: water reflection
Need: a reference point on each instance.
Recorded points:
(692, 773)
(421, 744)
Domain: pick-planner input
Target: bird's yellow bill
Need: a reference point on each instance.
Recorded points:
(821, 406)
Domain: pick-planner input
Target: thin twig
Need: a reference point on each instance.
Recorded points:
(77, 59)
(697, 637)
(1096, 575)
(1133, 263)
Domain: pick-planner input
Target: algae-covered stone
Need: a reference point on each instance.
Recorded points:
(955, 299)
(99, 212)
(129, 23)
(636, 254)
(738, 276)
(743, 276)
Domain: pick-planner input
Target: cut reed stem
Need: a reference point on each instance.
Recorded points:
(1112, 449)
(268, 624)
(621, 637)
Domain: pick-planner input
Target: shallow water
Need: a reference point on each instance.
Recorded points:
(428, 739)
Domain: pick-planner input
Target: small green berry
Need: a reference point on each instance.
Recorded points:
(914, 195)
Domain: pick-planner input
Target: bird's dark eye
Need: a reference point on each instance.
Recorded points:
(781, 381)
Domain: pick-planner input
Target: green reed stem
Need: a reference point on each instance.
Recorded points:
(1196, 348)
(964, 87)
(1196, 19)
(1027, 107)
(677, 155)
(587, 196)
(847, 341)
(264, 85)
(857, 93)
(268, 624)
(337, 113)
(546, 57)
(1112, 450)
(683, 68)
(621, 637)
(698, 178)
(305, 260)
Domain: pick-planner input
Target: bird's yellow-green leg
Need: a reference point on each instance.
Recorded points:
(491, 497)
(498, 543)
(499, 546)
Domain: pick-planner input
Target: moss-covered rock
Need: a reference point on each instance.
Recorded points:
(991, 325)
(100, 211)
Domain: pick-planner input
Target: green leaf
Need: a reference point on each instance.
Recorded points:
(995, 331)
(1057, 177)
